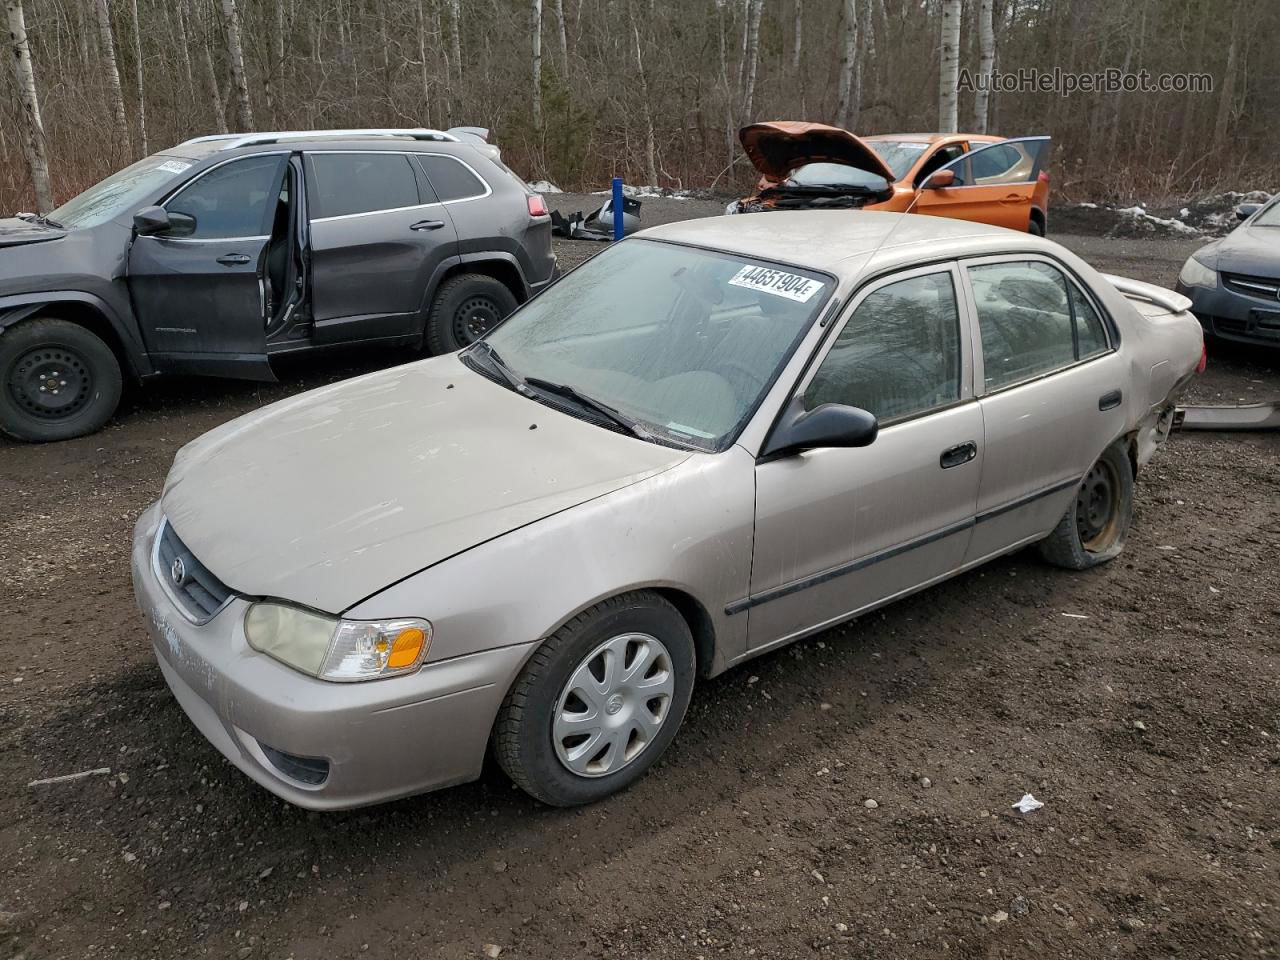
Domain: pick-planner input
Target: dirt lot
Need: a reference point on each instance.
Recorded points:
(1139, 702)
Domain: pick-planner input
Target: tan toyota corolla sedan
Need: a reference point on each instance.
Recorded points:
(714, 438)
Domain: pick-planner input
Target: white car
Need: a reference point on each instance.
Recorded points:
(714, 438)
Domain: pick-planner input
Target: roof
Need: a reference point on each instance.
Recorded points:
(830, 239)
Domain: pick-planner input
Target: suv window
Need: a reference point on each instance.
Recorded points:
(345, 183)
(237, 199)
(898, 355)
(993, 161)
(1033, 321)
(450, 178)
(940, 159)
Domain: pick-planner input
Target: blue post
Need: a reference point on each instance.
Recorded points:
(617, 206)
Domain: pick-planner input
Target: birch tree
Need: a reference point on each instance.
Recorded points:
(986, 64)
(33, 129)
(535, 28)
(564, 42)
(137, 69)
(949, 72)
(107, 47)
(848, 56)
(235, 53)
(797, 37)
(754, 12)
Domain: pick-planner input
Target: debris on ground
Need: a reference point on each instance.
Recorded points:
(1245, 416)
(597, 225)
(1027, 804)
(68, 777)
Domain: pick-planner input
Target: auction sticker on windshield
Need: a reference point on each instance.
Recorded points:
(173, 166)
(778, 282)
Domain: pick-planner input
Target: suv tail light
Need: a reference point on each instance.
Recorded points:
(1204, 359)
(1044, 176)
(537, 206)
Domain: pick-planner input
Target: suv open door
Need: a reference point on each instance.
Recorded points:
(996, 183)
(199, 284)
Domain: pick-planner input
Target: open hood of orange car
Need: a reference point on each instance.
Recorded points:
(779, 146)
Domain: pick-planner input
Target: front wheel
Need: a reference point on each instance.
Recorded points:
(58, 380)
(466, 307)
(598, 702)
(1093, 529)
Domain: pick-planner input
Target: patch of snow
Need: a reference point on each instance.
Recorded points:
(544, 186)
(645, 193)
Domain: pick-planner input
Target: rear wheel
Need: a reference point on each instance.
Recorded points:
(1093, 529)
(1036, 226)
(466, 307)
(57, 380)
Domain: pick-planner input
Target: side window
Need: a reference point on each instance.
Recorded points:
(1025, 320)
(345, 183)
(940, 159)
(237, 199)
(898, 355)
(1090, 332)
(994, 161)
(451, 180)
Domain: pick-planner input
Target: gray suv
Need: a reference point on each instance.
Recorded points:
(224, 252)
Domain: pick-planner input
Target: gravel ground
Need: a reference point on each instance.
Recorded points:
(1139, 702)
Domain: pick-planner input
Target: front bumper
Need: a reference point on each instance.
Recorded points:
(1233, 316)
(375, 741)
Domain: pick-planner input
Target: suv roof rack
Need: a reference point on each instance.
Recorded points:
(232, 140)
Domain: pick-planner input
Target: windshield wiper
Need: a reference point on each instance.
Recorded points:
(49, 222)
(589, 403)
(514, 380)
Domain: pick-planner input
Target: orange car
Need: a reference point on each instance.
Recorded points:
(960, 175)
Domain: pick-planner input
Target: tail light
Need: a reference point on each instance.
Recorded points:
(1044, 176)
(537, 206)
(1204, 359)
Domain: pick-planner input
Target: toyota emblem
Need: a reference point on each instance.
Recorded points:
(178, 572)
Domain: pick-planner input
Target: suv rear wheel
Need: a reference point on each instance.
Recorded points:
(465, 309)
(57, 381)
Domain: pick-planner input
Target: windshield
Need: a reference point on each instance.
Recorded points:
(682, 340)
(834, 175)
(1270, 217)
(120, 192)
(899, 156)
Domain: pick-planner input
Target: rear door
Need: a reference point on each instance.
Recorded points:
(840, 529)
(994, 184)
(378, 236)
(1051, 390)
(198, 289)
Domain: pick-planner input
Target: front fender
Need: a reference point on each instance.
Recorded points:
(20, 306)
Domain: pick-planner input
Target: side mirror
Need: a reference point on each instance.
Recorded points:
(1246, 210)
(829, 425)
(151, 220)
(940, 179)
(181, 224)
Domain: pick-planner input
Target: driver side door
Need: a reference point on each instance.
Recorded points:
(841, 529)
(994, 184)
(198, 289)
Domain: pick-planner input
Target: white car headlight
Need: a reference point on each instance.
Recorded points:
(1196, 274)
(332, 649)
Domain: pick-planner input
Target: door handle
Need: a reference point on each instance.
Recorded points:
(234, 260)
(1011, 198)
(427, 225)
(961, 453)
(1109, 401)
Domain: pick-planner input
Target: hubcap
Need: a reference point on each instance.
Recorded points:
(51, 383)
(476, 317)
(1096, 503)
(614, 704)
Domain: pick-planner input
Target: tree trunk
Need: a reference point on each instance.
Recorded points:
(564, 44)
(137, 72)
(754, 13)
(33, 129)
(422, 62)
(107, 45)
(215, 94)
(235, 53)
(535, 27)
(1226, 104)
(455, 39)
(986, 64)
(949, 72)
(185, 43)
(848, 58)
(797, 38)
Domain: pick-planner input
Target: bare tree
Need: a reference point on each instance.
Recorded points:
(986, 64)
(535, 28)
(137, 70)
(848, 63)
(235, 53)
(949, 71)
(754, 12)
(107, 47)
(1226, 103)
(33, 128)
(797, 36)
(564, 42)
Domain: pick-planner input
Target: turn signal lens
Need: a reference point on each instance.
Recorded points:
(407, 648)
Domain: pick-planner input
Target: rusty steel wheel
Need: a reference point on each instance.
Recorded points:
(1093, 529)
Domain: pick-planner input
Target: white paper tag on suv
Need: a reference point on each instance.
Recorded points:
(777, 282)
(173, 166)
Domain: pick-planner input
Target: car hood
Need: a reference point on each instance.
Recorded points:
(778, 147)
(1247, 249)
(15, 231)
(326, 498)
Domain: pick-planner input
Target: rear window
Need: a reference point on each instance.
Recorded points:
(345, 183)
(451, 179)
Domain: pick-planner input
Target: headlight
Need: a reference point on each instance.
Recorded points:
(332, 649)
(1196, 274)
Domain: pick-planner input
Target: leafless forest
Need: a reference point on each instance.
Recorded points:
(653, 90)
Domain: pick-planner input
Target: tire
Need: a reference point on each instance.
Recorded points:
(526, 730)
(1036, 226)
(58, 380)
(1093, 529)
(465, 308)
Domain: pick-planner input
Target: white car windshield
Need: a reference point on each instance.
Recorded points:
(120, 193)
(680, 342)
